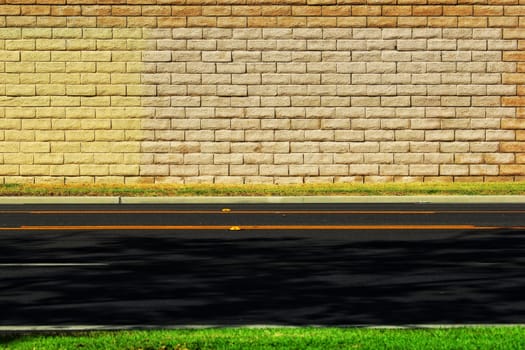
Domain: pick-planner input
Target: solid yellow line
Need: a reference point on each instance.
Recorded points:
(233, 211)
(254, 227)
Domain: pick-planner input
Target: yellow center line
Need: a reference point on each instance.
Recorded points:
(254, 227)
(233, 211)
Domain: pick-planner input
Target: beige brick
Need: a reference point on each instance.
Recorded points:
(468, 158)
(304, 170)
(470, 135)
(454, 147)
(217, 56)
(394, 147)
(499, 158)
(275, 147)
(423, 170)
(273, 170)
(391, 170)
(154, 170)
(125, 170)
(453, 170)
(363, 169)
(258, 158)
(378, 158)
(422, 147)
(366, 101)
(334, 170)
(94, 170)
(500, 135)
(411, 45)
(480, 169)
(379, 135)
(293, 158)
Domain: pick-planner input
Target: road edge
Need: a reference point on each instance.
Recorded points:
(95, 327)
(480, 199)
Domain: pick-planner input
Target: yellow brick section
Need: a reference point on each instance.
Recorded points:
(70, 104)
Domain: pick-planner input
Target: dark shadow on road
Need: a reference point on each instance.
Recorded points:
(266, 278)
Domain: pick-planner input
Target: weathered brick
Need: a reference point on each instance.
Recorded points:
(423, 170)
(517, 169)
(363, 169)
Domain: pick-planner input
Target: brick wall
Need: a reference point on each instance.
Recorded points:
(261, 91)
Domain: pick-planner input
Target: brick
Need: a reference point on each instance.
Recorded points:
(513, 101)
(511, 123)
(306, 10)
(457, 10)
(291, 22)
(276, 10)
(334, 170)
(34, 170)
(262, 22)
(499, 158)
(427, 10)
(513, 33)
(512, 147)
(304, 170)
(442, 22)
(423, 170)
(273, 170)
(513, 78)
(363, 169)
(250, 10)
(512, 170)
(513, 56)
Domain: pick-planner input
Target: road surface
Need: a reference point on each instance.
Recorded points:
(294, 264)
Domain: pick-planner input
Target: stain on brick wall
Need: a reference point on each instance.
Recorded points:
(261, 91)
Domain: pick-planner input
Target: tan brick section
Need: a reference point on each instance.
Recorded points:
(261, 91)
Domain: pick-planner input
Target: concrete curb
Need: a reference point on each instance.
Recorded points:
(59, 200)
(323, 199)
(95, 327)
(261, 200)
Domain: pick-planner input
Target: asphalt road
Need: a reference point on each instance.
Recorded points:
(346, 264)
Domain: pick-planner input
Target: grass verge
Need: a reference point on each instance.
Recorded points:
(492, 338)
(389, 189)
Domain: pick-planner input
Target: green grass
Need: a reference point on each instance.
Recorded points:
(393, 189)
(492, 338)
